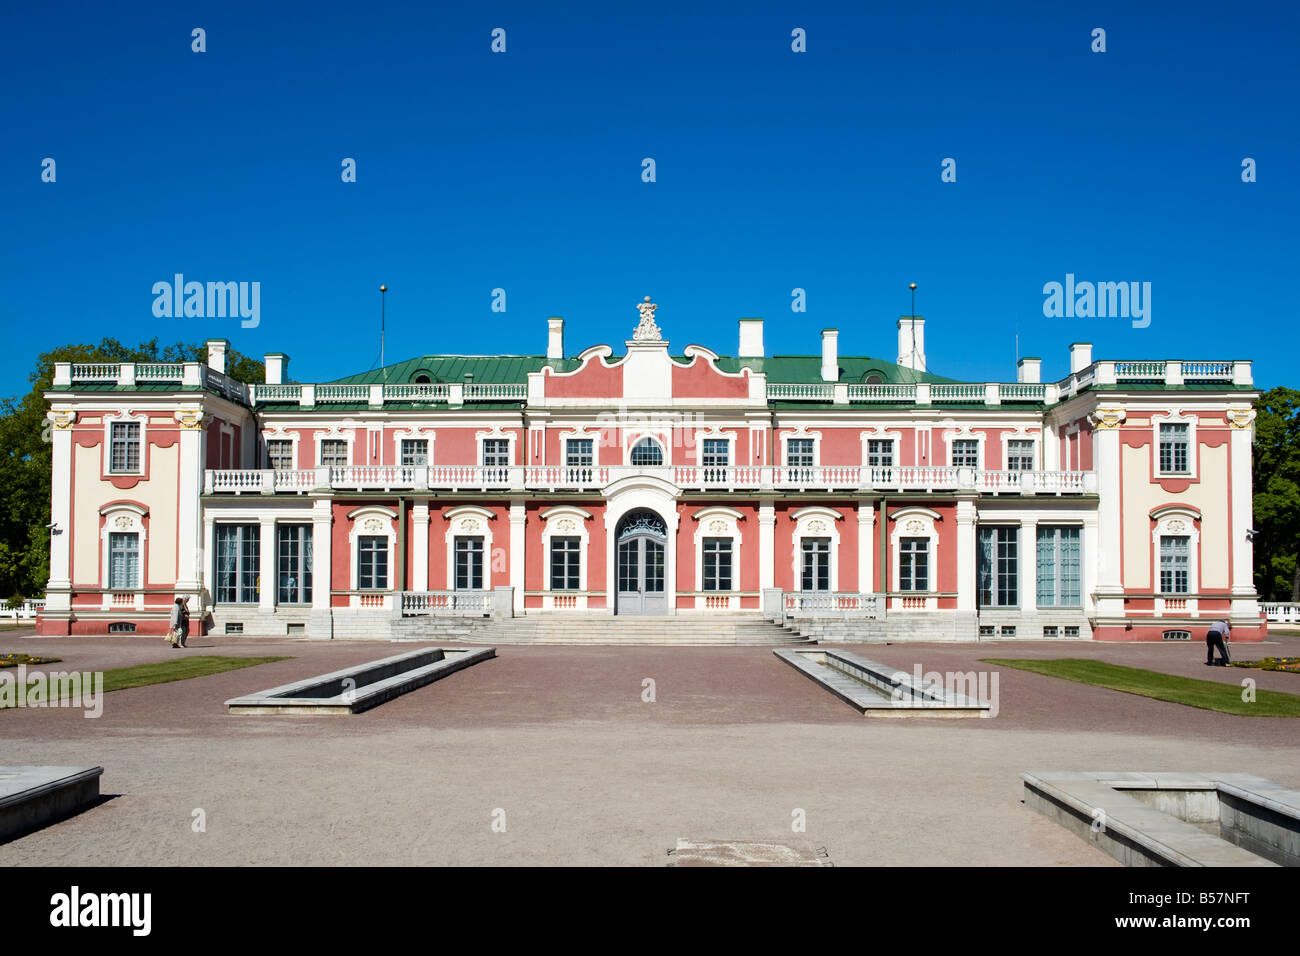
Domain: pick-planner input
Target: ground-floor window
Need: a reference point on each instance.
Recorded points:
(124, 560)
(913, 564)
(469, 563)
(717, 564)
(565, 560)
(1174, 552)
(238, 563)
(1058, 567)
(372, 562)
(816, 564)
(997, 566)
(293, 565)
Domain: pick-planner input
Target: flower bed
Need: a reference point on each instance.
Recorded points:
(1291, 664)
(13, 660)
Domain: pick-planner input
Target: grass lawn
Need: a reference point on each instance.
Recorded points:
(1206, 694)
(162, 672)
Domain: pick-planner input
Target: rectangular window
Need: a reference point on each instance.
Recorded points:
(293, 565)
(1020, 456)
(469, 563)
(816, 564)
(799, 452)
(1058, 567)
(1174, 552)
(238, 563)
(124, 560)
(124, 451)
(717, 564)
(880, 453)
(279, 455)
(334, 452)
(565, 555)
(1174, 450)
(997, 566)
(415, 451)
(578, 459)
(715, 456)
(966, 453)
(496, 452)
(372, 563)
(914, 564)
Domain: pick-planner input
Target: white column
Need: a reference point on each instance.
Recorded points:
(189, 519)
(58, 595)
(1028, 566)
(1088, 564)
(766, 545)
(517, 553)
(322, 565)
(1245, 602)
(420, 546)
(266, 583)
(1106, 462)
(209, 552)
(966, 557)
(866, 524)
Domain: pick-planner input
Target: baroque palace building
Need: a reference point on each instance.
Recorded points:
(1114, 504)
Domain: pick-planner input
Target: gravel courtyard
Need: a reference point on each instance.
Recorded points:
(558, 743)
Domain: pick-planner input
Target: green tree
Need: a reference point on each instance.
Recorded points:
(25, 453)
(1277, 494)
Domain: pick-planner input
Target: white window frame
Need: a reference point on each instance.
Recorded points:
(801, 433)
(655, 439)
(1183, 521)
(125, 417)
(278, 433)
(124, 518)
(333, 433)
(469, 521)
(1175, 417)
(815, 521)
(369, 521)
(717, 522)
(565, 521)
(914, 522)
(497, 433)
(966, 433)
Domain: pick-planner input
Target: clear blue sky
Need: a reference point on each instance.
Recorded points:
(775, 170)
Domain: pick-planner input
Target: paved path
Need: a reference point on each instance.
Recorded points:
(586, 772)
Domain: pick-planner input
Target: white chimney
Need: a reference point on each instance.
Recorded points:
(217, 349)
(911, 342)
(277, 363)
(1080, 356)
(555, 338)
(1029, 370)
(830, 355)
(751, 338)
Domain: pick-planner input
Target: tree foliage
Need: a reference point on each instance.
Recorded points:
(1277, 494)
(26, 453)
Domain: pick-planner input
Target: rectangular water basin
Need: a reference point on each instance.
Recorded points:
(355, 689)
(878, 690)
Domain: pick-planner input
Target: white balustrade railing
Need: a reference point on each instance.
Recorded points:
(160, 372)
(427, 603)
(96, 372)
(1281, 613)
(496, 391)
(424, 392)
(882, 393)
(1139, 371)
(805, 392)
(833, 604)
(958, 393)
(275, 393)
(544, 478)
(342, 393)
(1022, 392)
(1207, 371)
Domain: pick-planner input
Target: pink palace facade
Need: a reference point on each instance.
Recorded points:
(1113, 504)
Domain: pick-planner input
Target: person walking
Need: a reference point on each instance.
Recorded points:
(1214, 638)
(180, 623)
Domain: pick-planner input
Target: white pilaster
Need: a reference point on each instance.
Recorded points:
(1106, 463)
(58, 597)
(1245, 602)
(420, 547)
(322, 523)
(517, 553)
(966, 557)
(1029, 566)
(189, 519)
(766, 545)
(266, 573)
(866, 524)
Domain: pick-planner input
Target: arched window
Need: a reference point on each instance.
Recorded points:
(421, 379)
(873, 378)
(647, 452)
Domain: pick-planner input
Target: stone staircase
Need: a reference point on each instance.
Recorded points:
(681, 631)
(907, 626)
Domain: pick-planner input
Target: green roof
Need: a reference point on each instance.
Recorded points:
(494, 369)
